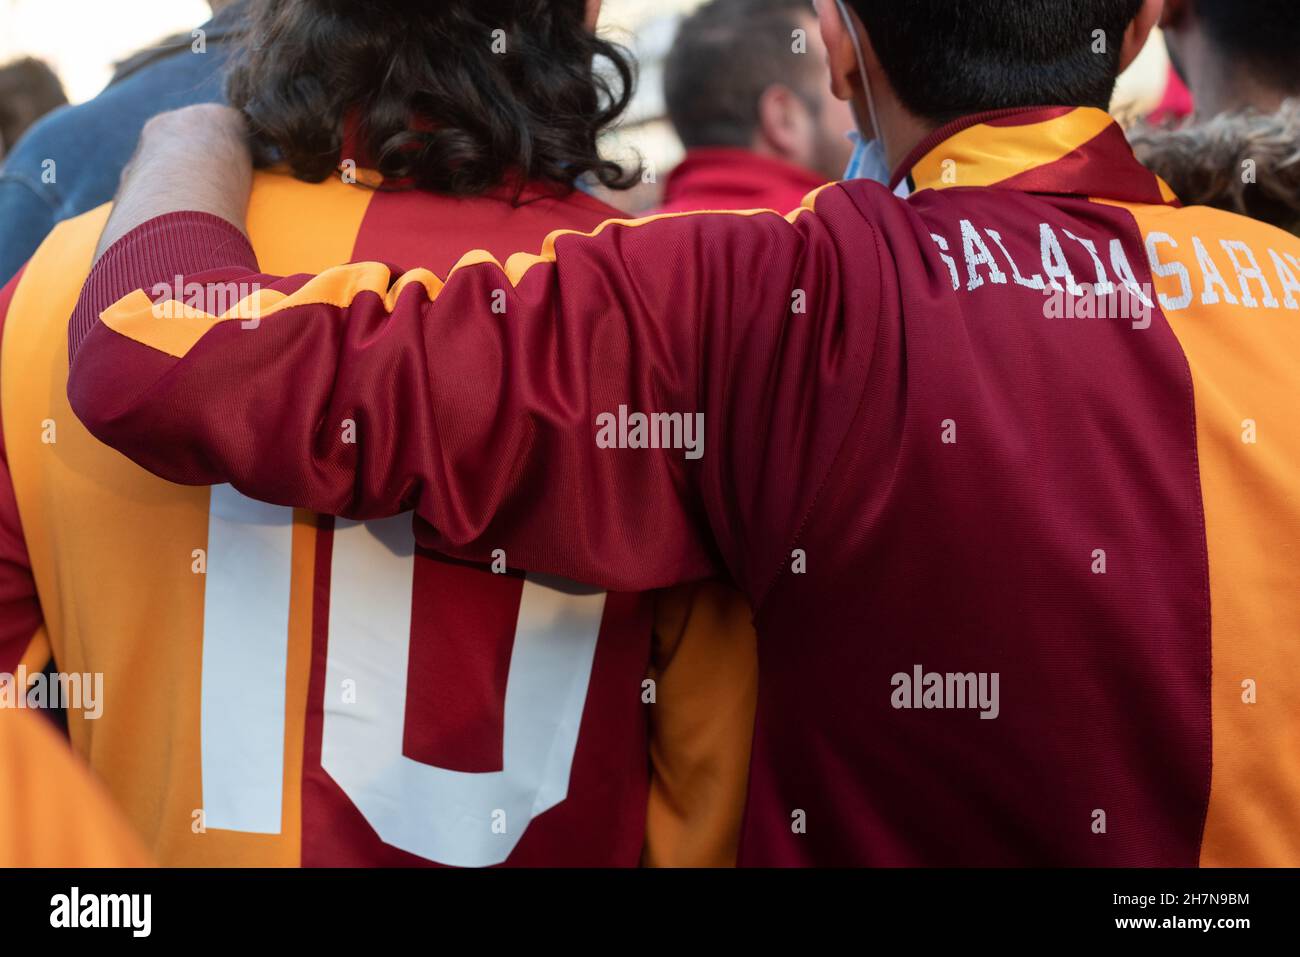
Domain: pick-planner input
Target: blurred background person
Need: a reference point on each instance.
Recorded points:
(1240, 151)
(746, 90)
(71, 161)
(28, 90)
(1234, 54)
(1175, 103)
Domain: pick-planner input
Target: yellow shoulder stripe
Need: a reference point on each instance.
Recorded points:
(983, 156)
(173, 325)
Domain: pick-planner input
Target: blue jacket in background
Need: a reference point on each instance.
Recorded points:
(92, 142)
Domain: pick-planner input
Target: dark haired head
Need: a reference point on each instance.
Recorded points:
(715, 105)
(950, 58)
(28, 90)
(1262, 36)
(454, 96)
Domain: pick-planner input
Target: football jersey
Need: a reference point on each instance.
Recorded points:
(1009, 471)
(284, 688)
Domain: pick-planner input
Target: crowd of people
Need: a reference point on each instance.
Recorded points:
(363, 588)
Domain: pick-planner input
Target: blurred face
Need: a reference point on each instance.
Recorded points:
(829, 146)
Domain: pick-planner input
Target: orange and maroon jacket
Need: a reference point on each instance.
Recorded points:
(1025, 579)
(282, 688)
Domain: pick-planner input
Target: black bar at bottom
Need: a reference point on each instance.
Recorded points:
(446, 908)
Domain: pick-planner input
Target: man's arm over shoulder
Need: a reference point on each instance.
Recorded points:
(625, 408)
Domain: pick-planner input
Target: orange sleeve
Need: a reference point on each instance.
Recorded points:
(705, 668)
(52, 813)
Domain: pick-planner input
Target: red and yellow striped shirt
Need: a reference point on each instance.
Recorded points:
(283, 689)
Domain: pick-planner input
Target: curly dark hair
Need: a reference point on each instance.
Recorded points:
(452, 96)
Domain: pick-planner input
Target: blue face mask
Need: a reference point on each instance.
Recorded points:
(868, 160)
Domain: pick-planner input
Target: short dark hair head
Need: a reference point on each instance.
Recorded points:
(28, 90)
(950, 58)
(453, 96)
(724, 56)
(1263, 36)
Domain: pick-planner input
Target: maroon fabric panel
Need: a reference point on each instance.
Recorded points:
(1018, 117)
(1100, 167)
(1071, 435)
(415, 228)
(20, 609)
(462, 629)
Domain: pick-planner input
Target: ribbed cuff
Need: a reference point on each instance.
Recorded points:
(154, 253)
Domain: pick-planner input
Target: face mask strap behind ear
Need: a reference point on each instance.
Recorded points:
(862, 70)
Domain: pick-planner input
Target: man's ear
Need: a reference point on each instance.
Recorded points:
(784, 124)
(1139, 29)
(840, 56)
(593, 14)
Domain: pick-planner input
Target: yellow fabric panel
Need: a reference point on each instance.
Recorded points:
(52, 812)
(301, 603)
(705, 666)
(112, 546)
(174, 328)
(1245, 365)
(111, 549)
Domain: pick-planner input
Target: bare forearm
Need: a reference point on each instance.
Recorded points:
(195, 159)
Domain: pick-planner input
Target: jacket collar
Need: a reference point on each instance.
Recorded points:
(1078, 151)
(738, 178)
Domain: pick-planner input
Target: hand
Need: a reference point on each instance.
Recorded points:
(193, 159)
(202, 119)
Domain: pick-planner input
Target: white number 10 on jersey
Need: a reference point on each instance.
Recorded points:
(438, 814)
